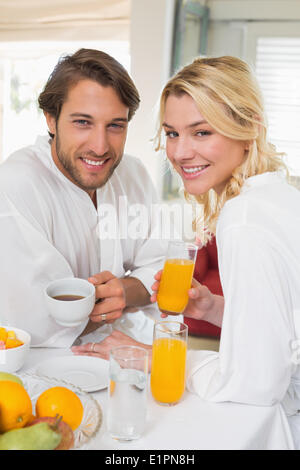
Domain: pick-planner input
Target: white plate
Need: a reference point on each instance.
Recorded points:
(88, 373)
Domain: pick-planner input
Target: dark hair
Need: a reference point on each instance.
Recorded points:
(87, 64)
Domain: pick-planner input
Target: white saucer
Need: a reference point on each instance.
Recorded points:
(88, 373)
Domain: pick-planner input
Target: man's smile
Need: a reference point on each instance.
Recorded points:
(95, 165)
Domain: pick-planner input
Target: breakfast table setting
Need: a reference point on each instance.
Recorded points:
(191, 424)
(124, 404)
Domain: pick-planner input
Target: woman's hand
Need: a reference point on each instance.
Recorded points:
(102, 349)
(202, 304)
(155, 288)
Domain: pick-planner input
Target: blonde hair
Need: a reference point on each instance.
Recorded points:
(228, 96)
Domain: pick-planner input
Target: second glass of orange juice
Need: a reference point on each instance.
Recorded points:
(176, 278)
(168, 362)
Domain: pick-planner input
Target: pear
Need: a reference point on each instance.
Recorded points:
(12, 377)
(37, 437)
(56, 423)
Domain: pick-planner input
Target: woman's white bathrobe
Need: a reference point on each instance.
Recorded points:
(258, 240)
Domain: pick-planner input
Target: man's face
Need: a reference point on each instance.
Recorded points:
(90, 134)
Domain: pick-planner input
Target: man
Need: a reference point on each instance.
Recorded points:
(51, 194)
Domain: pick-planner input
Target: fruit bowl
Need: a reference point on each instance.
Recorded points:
(11, 360)
(92, 415)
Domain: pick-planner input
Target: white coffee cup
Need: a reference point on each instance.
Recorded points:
(70, 312)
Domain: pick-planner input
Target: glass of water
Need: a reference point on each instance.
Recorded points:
(127, 392)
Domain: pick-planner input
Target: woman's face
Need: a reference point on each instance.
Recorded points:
(203, 158)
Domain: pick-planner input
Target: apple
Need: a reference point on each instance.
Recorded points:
(56, 423)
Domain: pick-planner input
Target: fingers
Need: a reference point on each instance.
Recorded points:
(155, 286)
(92, 349)
(102, 349)
(153, 298)
(108, 310)
(108, 306)
(107, 285)
(164, 315)
(197, 291)
(101, 278)
(195, 283)
(113, 288)
(194, 293)
(111, 297)
(110, 317)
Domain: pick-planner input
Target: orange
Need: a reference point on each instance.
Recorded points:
(3, 334)
(11, 334)
(13, 343)
(9, 338)
(15, 406)
(61, 401)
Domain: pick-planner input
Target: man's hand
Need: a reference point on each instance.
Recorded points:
(114, 295)
(102, 349)
(202, 304)
(110, 294)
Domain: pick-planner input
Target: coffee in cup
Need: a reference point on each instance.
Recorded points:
(70, 301)
(68, 297)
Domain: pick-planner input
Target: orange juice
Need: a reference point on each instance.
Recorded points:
(168, 369)
(175, 282)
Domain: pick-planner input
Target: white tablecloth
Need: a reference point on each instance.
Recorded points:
(193, 423)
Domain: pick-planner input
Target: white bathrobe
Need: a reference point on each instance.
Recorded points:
(258, 240)
(50, 229)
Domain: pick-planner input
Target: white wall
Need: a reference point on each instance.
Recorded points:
(151, 42)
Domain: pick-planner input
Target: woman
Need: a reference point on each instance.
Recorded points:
(216, 139)
(212, 115)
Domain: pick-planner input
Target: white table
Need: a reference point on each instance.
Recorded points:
(193, 423)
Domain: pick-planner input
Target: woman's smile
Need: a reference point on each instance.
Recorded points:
(193, 171)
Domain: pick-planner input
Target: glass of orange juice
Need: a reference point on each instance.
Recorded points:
(176, 279)
(168, 362)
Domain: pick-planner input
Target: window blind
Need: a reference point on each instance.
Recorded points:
(44, 20)
(278, 73)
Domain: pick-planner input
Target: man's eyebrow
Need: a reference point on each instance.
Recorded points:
(88, 116)
(121, 119)
(193, 124)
